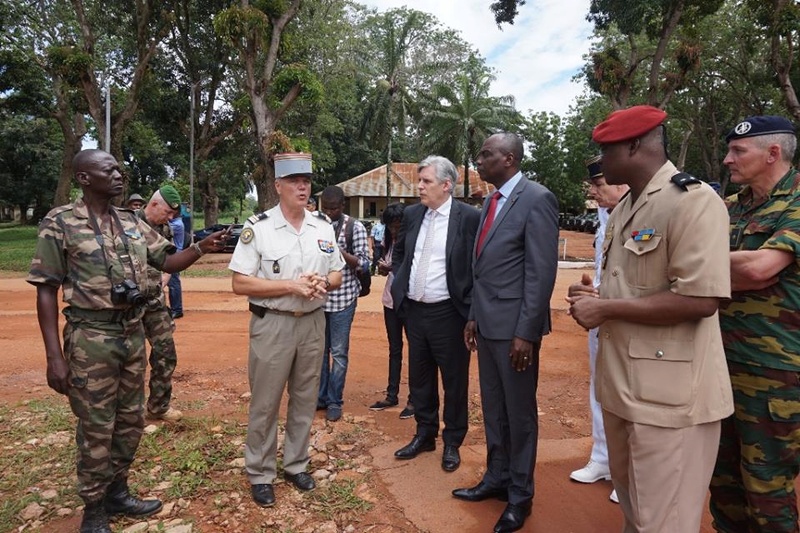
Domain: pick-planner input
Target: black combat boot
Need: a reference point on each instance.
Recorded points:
(120, 501)
(95, 519)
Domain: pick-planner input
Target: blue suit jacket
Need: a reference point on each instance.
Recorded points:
(514, 276)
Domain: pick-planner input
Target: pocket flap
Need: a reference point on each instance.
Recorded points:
(661, 349)
(643, 247)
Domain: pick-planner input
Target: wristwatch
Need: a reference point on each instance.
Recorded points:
(327, 282)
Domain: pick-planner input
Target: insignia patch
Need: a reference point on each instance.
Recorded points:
(246, 236)
(276, 268)
(643, 234)
(133, 234)
(736, 238)
(326, 246)
(742, 128)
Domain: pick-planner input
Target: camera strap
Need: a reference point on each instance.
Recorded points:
(125, 243)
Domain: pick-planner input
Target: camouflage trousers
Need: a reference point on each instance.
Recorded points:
(106, 394)
(158, 328)
(752, 488)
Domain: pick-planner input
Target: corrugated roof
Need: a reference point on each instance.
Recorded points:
(404, 183)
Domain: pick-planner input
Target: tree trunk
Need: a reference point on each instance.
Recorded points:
(210, 198)
(72, 145)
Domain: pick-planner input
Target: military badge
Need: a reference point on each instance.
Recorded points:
(276, 268)
(246, 236)
(736, 238)
(326, 246)
(643, 234)
(133, 234)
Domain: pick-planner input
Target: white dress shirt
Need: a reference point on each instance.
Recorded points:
(436, 279)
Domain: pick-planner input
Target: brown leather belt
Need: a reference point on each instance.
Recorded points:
(260, 311)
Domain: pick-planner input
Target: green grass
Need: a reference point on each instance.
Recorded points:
(17, 245)
(38, 446)
(338, 501)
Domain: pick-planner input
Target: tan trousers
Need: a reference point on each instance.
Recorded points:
(661, 475)
(283, 350)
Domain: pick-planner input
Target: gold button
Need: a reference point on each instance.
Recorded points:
(641, 248)
(615, 272)
(607, 335)
(659, 354)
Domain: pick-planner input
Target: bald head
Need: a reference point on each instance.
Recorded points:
(86, 159)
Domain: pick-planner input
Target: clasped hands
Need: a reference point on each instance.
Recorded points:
(311, 285)
(585, 304)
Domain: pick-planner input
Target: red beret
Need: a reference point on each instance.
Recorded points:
(628, 124)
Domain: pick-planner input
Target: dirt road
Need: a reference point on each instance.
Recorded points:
(415, 495)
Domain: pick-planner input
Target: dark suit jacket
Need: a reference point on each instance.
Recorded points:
(516, 271)
(461, 231)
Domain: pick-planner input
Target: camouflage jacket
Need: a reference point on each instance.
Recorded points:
(68, 254)
(155, 288)
(762, 327)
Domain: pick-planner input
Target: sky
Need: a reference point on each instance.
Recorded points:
(534, 59)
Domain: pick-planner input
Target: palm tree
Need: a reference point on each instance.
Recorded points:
(389, 101)
(459, 116)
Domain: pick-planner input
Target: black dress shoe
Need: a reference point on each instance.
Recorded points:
(513, 518)
(451, 460)
(415, 447)
(481, 492)
(263, 494)
(302, 481)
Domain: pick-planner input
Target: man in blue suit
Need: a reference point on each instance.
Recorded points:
(514, 271)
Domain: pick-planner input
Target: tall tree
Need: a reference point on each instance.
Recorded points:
(644, 31)
(460, 115)
(781, 21)
(257, 33)
(39, 69)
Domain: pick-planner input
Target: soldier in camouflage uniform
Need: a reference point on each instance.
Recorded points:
(90, 248)
(759, 456)
(157, 320)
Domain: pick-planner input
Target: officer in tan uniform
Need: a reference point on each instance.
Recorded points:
(286, 261)
(661, 377)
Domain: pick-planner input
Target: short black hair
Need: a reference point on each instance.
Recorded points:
(392, 213)
(332, 193)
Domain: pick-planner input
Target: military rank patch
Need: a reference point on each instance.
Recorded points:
(246, 236)
(326, 246)
(643, 234)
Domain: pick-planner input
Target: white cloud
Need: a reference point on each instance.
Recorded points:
(535, 58)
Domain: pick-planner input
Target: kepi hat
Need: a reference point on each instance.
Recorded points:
(594, 167)
(628, 124)
(293, 164)
(760, 125)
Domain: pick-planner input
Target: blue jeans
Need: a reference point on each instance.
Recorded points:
(175, 295)
(334, 358)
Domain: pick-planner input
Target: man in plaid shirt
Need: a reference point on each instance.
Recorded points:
(341, 305)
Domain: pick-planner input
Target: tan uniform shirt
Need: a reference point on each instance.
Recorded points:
(667, 376)
(270, 248)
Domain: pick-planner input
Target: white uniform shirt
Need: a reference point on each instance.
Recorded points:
(275, 250)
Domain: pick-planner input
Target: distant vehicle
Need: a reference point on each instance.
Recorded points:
(233, 238)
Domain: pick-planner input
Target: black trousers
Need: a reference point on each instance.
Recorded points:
(394, 334)
(436, 345)
(510, 418)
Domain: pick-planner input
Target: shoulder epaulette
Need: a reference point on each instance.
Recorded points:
(258, 217)
(323, 216)
(60, 209)
(683, 180)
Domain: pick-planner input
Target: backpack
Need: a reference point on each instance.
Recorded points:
(364, 276)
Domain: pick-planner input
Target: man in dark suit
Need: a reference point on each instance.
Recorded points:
(515, 264)
(432, 288)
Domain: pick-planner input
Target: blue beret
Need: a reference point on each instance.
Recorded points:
(760, 125)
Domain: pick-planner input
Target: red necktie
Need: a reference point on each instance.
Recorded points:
(487, 222)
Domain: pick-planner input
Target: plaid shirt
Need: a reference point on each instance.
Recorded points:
(344, 295)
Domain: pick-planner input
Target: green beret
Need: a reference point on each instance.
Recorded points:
(171, 196)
